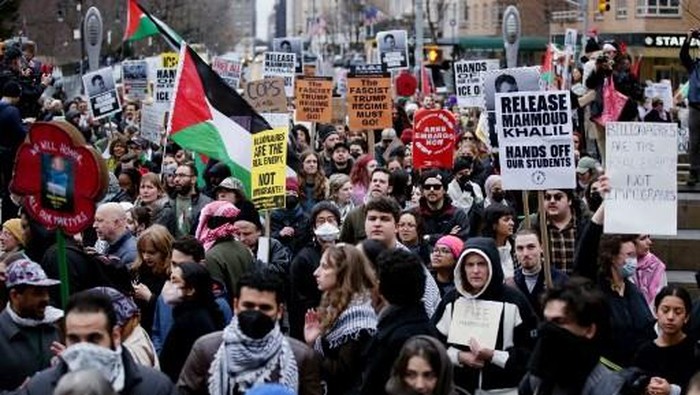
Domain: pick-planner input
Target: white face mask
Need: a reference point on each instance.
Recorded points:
(327, 232)
(172, 294)
(108, 362)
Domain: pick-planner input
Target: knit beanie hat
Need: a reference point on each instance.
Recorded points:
(454, 243)
(462, 163)
(14, 226)
(324, 131)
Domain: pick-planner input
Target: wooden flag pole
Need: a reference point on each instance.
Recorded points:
(526, 208)
(545, 239)
(63, 267)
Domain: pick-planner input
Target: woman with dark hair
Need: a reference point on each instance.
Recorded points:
(195, 314)
(313, 185)
(670, 359)
(400, 186)
(153, 196)
(130, 182)
(399, 118)
(360, 175)
(138, 219)
(499, 225)
(423, 368)
(302, 137)
(117, 149)
(410, 234)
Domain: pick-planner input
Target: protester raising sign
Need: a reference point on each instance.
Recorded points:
(102, 93)
(641, 164)
(266, 95)
(393, 49)
(229, 68)
(314, 99)
(269, 167)
(433, 139)
(135, 79)
(468, 81)
(535, 139)
(280, 64)
(369, 98)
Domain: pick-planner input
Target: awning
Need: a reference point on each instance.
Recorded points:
(490, 42)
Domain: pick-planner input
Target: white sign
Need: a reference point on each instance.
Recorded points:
(570, 40)
(229, 69)
(641, 162)
(663, 90)
(393, 49)
(683, 140)
(281, 64)
(293, 45)
(535, 139)
(468, 81)
(153, 118)
(135, 79)
(478, 320)
(102, 93)
(165, 84)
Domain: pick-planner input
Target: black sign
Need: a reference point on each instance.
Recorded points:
(368, 69)
(668, 41)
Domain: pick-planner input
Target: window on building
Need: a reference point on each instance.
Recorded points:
(662, 8)
(485, 16)
(621, 9)
(466, 12)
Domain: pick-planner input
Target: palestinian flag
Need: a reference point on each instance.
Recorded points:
(210, 118)
(141, 24)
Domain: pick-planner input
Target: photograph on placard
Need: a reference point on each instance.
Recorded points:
(393, 49)
(102, 93)
(293, 45)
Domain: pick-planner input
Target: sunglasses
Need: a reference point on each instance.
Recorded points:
(433, 187)
(556, 197)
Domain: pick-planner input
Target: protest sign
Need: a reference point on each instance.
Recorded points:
(662, 89)
(269, 168)
(314, 99)
(535, 139)
(641, 163)
(165, 78)
(102, 93)
(468, 81)
(433, 139)
(229, 69)
(280, 64)
(341, 82)
(369, 101)
(266, 95)
(153, 120)
(339, 111)
(683, 140)
(479, 321)
(393, 49)
(135, 79)
(290, 45)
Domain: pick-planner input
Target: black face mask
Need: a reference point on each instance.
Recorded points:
(498, 196)
(291, 201)
(355, 155)
(594, 201)
(216, 221)
(255, 324)
(562, 357)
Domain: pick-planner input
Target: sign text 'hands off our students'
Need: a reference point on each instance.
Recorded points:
(536, 150)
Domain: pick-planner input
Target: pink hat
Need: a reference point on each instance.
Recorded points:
(454, 243)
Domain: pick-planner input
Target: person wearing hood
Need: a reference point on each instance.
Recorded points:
(213, 176)
(440, 216)
(28, 325)
(486, 325)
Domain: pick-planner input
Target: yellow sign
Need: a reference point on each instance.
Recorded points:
(269, 168)
(169, 60)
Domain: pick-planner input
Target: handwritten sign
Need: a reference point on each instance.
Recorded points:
(468, 81)
(269, 168)
(478, 320)
(535, 137)
(369, 98)
(314, 99)
(135, 79)
(281, 64)
(229, 68)
(641, 164)
(433, 139)
(266, 95)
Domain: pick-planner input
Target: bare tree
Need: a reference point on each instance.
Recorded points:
(435, 12)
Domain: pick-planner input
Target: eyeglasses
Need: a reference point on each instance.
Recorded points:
(433, 187)
(556, 196)
(442, 251)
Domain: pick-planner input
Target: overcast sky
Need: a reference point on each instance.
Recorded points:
(264, 8)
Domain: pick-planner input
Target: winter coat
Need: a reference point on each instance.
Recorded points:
(227, 260)
(440, 222)
(304, 293)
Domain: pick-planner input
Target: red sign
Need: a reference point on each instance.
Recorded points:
(433, 139)
(406, 84)
(59, 176)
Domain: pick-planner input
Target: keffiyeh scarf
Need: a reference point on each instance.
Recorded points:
(358, 316)
(219, 208)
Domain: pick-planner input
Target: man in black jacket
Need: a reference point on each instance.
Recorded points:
(93, 341)
(13, 133)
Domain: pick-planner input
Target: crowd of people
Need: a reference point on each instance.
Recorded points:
(375, 278)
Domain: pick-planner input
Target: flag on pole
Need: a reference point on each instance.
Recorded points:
(141, 24)
(210, 118)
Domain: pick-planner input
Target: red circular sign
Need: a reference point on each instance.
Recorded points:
(59, 176)
(406, 84)
(433, 139)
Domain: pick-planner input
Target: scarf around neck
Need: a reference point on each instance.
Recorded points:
(357, 317)
(649, 276)
(51, 315)
(109, 363)
(245, 362)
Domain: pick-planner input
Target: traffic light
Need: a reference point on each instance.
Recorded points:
(432, 55)
(603, 6)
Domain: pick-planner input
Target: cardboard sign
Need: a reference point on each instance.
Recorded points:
(266, 95)
(135, 79)
(393, 49)
(468, 81)
(165, 78)
(229, 68)
(60, 177)
(339, 111)
(314, 99)
(535, 136)
(102, 93)
(269, 168)
(478, 320)
(433, 139)
(153, 120)
(280, 64)
(641, 162)
(369, 102)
